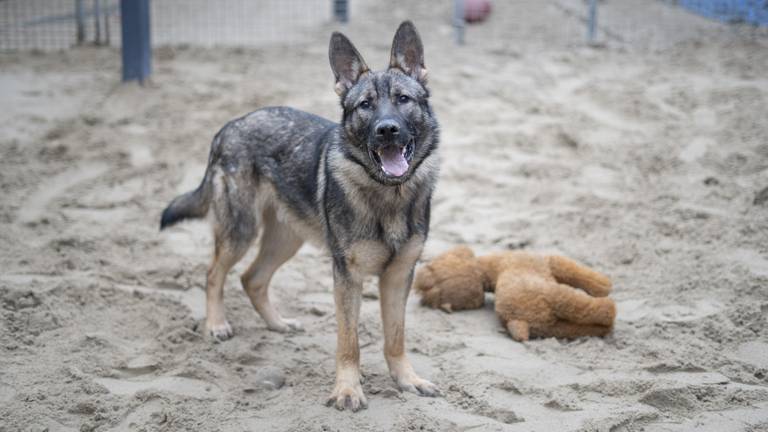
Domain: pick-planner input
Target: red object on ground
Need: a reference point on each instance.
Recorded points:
(476, 10)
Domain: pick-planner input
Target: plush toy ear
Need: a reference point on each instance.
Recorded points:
(347, 64)
(462, 251)
(408, 52)
(424, 284)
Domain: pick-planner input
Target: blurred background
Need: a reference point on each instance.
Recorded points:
(59, 24)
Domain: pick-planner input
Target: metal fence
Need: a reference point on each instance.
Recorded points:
(236, 22)
(60, 24)
(56, 24)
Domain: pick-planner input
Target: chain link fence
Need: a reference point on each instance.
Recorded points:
(56, 24)
(60, 24)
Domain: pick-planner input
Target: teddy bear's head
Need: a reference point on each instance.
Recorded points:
(452, 281)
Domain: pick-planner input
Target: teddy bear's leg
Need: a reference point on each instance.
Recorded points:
(569, 272)
(570, 330)
(518, 329)
(576, 306)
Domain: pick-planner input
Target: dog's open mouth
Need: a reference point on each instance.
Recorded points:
(393, 159)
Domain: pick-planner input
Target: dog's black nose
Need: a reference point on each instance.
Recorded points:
(387, 129)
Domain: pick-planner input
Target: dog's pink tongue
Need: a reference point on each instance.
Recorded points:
(393, 162)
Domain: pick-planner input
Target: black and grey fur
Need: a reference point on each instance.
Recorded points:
(361, 188)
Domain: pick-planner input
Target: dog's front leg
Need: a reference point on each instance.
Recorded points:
(394, 286)
(347, 293)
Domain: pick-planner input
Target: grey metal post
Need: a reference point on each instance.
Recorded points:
(592, 21)
(341, 10)
(458, 21)
(107, 36)
(137, 49)
(97, 20)
(80, 20)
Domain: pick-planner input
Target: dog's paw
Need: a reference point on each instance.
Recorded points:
(419, 386)
(219, 331)
(286, 325)
(347, 396)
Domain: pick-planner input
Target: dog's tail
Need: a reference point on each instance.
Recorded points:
(574, 274)
(194, 204)
(191, 205)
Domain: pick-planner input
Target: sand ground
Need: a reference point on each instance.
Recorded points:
(646, 158)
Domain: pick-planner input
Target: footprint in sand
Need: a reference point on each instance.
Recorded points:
(149, 413)
(188, 387)
(36, 205)
(696, 148)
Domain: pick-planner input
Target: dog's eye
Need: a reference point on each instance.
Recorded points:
(366, 104)
(403, 99)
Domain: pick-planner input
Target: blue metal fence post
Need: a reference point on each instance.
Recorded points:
(137, 51)
(97, 20)
(341, 10)
(80, 20)
(458, 21)
(592, 21)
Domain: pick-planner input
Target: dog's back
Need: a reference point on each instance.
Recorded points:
(279, 144)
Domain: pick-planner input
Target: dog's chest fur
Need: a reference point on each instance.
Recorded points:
(371, 223)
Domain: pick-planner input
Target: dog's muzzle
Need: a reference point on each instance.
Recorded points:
(390, 153)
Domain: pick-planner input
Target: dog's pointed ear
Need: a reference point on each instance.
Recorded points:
(408, 52)
(347, 64)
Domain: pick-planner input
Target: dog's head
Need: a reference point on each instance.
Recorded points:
(387, 121)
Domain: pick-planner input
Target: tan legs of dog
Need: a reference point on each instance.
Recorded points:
(394, 286)
(394, 294)
(224, 257)
(347, 393)
(278, 244)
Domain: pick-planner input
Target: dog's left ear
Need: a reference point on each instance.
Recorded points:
(408, 52)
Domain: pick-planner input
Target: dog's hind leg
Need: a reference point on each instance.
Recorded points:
(278, 244)
(234, 230)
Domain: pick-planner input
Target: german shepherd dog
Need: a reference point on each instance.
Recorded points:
(361, 189)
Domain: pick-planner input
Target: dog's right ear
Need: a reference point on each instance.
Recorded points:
(347, 64)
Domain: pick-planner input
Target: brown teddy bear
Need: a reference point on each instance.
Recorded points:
(536, 295)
